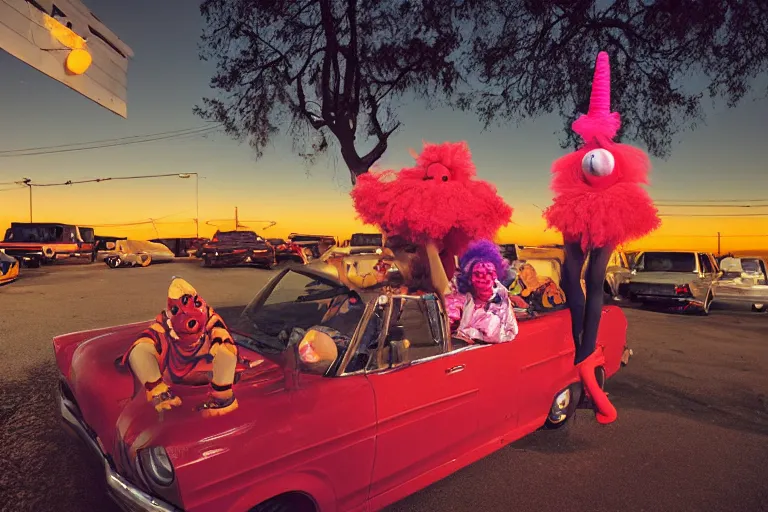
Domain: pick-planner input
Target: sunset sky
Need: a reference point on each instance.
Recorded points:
(723, 160)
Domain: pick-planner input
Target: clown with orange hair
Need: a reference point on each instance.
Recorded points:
(599, 204)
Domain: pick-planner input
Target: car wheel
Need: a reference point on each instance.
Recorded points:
(206, 261)
(145, 260)
(561, 410)
(112, 262)
(758, 308)
(292, 502)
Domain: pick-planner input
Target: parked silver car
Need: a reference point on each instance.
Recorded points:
(618, 273)
(744, 280)
(674, 278)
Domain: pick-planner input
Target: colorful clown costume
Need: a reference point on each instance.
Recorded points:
(599, 204)
(188, 344)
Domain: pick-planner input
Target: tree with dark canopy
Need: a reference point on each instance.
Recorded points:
(325, 65)
(535, 57)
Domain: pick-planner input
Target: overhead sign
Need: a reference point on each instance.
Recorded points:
(64, 40)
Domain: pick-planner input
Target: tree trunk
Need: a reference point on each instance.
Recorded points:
(356, 164)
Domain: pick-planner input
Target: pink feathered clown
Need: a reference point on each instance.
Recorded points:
(599, 204)
(437, 206)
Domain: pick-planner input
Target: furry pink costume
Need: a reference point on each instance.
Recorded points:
(437, 200)
(598, 204)
(598, 199)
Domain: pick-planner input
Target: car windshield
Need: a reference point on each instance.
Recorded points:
(310, 238)
(667, 262)
(364, 239)
(297, 302)
(751, 266)
(87, 235)
(237, 236)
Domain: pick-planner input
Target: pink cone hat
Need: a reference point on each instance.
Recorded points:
(599, 120)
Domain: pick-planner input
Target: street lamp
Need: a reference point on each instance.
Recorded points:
(188, 175)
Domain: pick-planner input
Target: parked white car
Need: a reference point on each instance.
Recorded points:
(744, 280)
(136, 253)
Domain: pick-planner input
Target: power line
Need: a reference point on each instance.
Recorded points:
(702, 205)
(196, 132)
(707, 236)
(138, 223)
(99, 180)
(713, 215)
(101, 141)
(711, 200)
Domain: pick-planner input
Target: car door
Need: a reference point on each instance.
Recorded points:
(426, 397)
(541, 357)
(616, 273)
(707, 273)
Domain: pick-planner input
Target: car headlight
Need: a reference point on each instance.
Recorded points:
(156, 466)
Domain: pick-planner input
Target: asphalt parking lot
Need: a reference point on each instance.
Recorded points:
(692, 432)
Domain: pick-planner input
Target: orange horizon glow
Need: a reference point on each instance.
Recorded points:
(172, 206)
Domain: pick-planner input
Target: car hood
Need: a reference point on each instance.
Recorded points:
(116, 409)
(675, 278)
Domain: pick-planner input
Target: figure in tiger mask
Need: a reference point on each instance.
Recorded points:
(187, 344)
(599, 204)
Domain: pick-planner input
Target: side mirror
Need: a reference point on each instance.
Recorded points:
(399, 351)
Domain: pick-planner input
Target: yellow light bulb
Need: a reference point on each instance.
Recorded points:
(78, 61)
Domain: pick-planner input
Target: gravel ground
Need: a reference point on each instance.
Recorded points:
(693, 407)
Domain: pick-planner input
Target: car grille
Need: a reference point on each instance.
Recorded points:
(652, 289)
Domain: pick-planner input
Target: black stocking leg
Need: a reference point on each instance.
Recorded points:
(574, 295)
(595, 277)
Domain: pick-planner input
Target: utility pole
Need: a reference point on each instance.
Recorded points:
(237, 223)
(28, 183)
(718, 244)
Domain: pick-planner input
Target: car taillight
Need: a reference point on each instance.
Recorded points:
(682, 290)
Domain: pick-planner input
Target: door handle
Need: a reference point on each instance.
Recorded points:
(455, 369)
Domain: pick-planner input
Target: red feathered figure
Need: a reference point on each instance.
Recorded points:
(599, 204)
(437, 207)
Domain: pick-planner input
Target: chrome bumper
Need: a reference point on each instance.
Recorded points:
(125, 494)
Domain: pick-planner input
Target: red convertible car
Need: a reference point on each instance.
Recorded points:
(384, 420)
